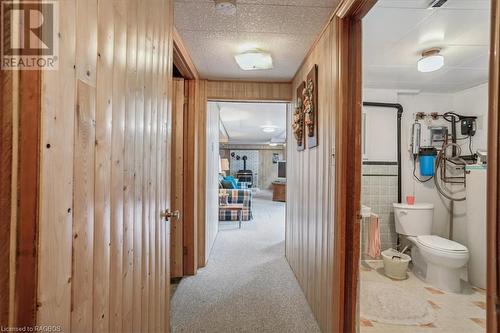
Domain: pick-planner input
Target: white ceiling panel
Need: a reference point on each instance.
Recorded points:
(243, 122)
(424, 4)
(468, 4)
(397, 32)
(284, 28)
(414, 4)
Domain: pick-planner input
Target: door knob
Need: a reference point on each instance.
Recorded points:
(167, 215)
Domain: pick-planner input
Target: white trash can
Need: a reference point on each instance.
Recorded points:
(395, 264)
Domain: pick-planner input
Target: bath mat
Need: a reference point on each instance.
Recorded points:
(390, 304)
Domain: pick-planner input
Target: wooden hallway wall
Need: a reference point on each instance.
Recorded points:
(310, 208)
(103, 254)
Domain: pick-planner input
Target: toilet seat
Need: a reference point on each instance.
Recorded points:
(441, 244)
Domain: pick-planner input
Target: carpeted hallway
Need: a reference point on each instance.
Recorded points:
(247, 285)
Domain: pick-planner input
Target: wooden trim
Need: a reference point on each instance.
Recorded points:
(6, 152)
(202, 169)
(30, 86)
(182, 59)
(348, 165)
(349, 173)
(249, 91)
(190, 197)
(355, 9)
(177, 190)
(493, 205)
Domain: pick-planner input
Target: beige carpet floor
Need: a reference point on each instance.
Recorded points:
(247, 285)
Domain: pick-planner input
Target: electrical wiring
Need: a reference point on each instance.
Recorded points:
(470, 145)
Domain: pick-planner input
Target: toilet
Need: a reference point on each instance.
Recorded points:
(438, 261)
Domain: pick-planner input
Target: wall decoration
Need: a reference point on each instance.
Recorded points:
(311, 107)
(298, 119)
(276, 158)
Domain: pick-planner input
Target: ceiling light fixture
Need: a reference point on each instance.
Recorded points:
(431, 61)
(254, 60)
(225, 7)
(273, 144)
(268, 129)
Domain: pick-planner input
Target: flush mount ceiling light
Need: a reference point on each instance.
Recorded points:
(225, 7)
(431, 61)
(273, 144)
(268, 129)
(254, 60)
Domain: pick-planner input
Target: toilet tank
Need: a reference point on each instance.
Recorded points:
(413, 220)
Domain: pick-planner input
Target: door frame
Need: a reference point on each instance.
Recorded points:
(348, 162)
(192, 197)
(493, 206)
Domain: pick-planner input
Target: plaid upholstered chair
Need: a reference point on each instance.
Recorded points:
(236, 196)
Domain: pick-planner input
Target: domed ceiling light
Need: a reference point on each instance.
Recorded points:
(225, 7)
(255, 59)
(431, 61)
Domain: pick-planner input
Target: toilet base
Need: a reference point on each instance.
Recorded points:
(446, 279)
(440, 277)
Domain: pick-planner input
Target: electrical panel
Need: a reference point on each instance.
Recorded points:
(468, 126)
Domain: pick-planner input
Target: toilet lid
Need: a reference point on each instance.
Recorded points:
(441, 243)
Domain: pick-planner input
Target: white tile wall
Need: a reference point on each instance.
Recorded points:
(379, 193)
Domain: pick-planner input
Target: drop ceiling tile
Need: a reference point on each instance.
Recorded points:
(203, 17)
(300, 3)
(481, 61)
(415, 4)
(470, 76)
(281, 19)
(385, 27)
(285, 28)
(312, 3)
(391, 49)
(454, 27)
(444, 80)
(467, 4)
(408, 55)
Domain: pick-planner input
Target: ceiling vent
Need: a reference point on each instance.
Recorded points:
(437, 3)
(225, 7)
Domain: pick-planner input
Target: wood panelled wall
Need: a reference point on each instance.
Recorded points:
(310, 173)
(105, 157)
(248, 91)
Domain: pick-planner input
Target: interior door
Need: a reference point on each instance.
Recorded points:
(176, 245)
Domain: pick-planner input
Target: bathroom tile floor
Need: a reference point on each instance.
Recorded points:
(455, 313)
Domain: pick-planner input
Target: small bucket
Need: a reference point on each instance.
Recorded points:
(395, 264)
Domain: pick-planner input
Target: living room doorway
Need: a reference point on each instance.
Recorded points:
(247, 155)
